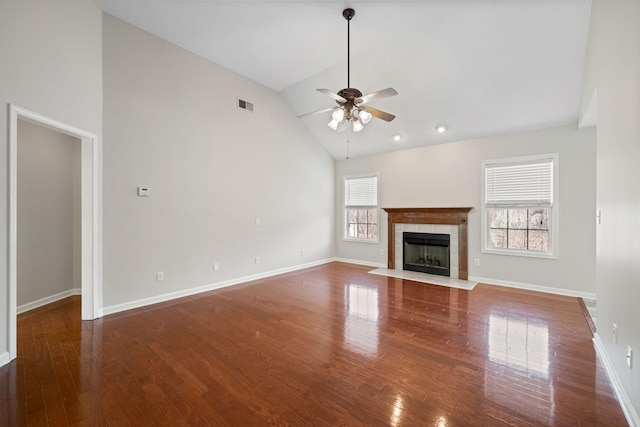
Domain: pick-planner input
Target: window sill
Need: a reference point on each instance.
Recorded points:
(513, 252)
(346, 239)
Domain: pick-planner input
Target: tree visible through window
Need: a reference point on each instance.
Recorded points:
(361, 208)
(362, 224)
(524, 229)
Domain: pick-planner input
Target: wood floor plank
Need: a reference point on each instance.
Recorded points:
(328, 346)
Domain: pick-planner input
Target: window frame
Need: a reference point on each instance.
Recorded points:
(554, 209)
(345, 219)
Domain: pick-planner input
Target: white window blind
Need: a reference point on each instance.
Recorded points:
(362, 191)
(523, 184)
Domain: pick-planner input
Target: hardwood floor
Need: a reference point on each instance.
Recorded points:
(327, 346)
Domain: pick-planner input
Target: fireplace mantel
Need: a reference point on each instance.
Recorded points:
(450, 216)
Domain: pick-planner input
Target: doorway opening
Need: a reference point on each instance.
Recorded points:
(90, 216)
(48, 244)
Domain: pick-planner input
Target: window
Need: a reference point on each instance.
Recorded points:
(361, 208)
(519, 208)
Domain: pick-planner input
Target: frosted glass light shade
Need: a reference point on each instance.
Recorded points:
(357, 126)
(333, 124)
(338, 115)
(365, 116)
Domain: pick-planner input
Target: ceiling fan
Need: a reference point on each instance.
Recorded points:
(351, 103)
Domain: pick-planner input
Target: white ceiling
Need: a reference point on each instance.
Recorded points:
(481, 67)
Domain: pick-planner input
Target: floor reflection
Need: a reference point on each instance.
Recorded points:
(518, 360)
(396, 412)
(361, 323)
(519, 343)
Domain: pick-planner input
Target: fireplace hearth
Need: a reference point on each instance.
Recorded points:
(426, 253)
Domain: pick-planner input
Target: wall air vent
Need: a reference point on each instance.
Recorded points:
(245, 105)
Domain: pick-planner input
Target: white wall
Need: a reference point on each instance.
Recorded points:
(171, 123)
(47, 212)
(449, 175)
(50, 63)
(613, 68)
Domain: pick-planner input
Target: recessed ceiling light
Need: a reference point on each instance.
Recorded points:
(397, 137)
(441, 128)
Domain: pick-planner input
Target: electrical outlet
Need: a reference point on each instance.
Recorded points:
(614, 331)
(629, 356)
(476, 262)
(159, 276)
(216, 266)
(257, 221)
(257, 260)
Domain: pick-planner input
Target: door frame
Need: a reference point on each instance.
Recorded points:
(91, 215)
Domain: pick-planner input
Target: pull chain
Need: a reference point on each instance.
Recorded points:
(347, 148)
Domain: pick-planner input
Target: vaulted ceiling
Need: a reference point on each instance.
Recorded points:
(479, 67)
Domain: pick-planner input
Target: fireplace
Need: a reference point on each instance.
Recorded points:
(426, 253)
(452, 221)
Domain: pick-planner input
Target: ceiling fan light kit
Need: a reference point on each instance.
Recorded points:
(351, 103)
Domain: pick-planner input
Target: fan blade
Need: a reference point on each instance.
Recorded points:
(384, 93)
(379, 114)
(332, 95)
(324, 110)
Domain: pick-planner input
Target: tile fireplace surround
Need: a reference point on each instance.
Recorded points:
(430, 216)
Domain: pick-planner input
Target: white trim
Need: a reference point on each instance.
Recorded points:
(623, 398)
(536, 288)
(91, 183)
(12, 300)
(47, 300)
(4, 358)
(359, 262)
(192, 291)
(370, 241)
(522, 253)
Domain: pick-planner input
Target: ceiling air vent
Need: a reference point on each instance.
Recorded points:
(245, 105)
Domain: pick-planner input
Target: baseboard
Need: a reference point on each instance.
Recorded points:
(4, 358)
(213, 286)
(537, 288)
(623, 398)
(505, 283)
(47, 300)
(358, 262)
